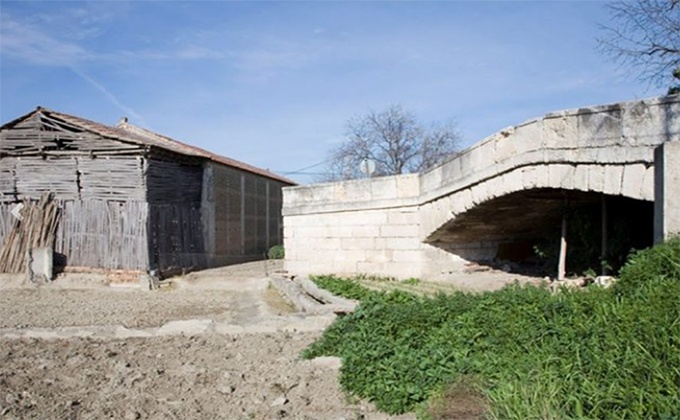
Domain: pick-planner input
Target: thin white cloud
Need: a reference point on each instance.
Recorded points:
(36, 47)
(28, 44)
(109, 96)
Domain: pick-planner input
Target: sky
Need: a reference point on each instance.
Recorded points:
(274, 83)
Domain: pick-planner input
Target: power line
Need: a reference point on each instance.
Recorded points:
(301, 171)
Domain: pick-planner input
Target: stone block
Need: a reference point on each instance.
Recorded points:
(354, 254)
(504, 147)
(613, 175)
(397, 244)
(600, 127)
(633, 177)
(366, 218)
(494, 189)
(40, 264)
(451, 171)
(481, 156)
(465, 198)
(365, 231)
(528, 137)
(480, 193)
(356, 243)
(431, 180)
(408, 185)
(414, 255)
(559, 132)
(341, 231)
(399, 231)
(529, 177)
(585, 155)
(327, 244)
(513, 181)
(671, 117)
(384, 188)
(580, 180)
(366, 267)
(638, 154)
(610, 155)
(648, 184)
(596, 178)
(358, 190)
(466, 168)
(644, 122)
(404, 270)
(402, 217)
(378, 255)
(561, 176)
(667, 191)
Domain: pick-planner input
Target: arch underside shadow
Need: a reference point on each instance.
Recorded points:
(513, 226)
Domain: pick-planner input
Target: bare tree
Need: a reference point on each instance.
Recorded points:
(646, 38)
(395, 141)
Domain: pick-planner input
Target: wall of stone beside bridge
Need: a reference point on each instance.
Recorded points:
(381, 225)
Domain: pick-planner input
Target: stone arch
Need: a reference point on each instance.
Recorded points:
(635, 181)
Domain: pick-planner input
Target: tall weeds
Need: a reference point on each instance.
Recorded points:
(594, 353)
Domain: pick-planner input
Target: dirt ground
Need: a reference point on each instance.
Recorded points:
(214, 344)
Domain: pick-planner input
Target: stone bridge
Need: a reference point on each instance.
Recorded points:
(614, 169)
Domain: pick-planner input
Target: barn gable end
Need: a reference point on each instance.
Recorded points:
(135, 200)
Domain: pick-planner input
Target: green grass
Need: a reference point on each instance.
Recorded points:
(594, 353)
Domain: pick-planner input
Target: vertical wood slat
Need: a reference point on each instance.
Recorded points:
(176, 236)
(104, 234)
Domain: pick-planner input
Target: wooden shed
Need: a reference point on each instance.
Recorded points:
(132, 199)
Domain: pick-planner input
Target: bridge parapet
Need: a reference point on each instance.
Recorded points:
(609, 134)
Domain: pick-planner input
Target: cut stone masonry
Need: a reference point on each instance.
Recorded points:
(401, 226)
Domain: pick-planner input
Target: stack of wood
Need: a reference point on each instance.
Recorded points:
(37, 230)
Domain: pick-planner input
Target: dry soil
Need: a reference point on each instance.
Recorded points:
(246, 365)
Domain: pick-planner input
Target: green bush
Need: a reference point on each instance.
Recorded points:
(277, 252)
(594, 353)
(648, 267)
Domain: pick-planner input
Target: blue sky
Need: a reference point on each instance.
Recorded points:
(273, 83)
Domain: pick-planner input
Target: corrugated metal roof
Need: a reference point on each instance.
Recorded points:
(129, 133)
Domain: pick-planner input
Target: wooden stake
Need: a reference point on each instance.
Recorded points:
(562, 264)
(603, 251)
(561, 268)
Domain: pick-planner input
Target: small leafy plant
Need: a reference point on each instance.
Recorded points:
(277, 252)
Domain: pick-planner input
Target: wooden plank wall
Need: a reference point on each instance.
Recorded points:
(105, 217)
(118, 178)
(172, 182)
(104, 234)
(176, 237)
(176, 240)
(35, 176)
(227, 201)
(96, 233)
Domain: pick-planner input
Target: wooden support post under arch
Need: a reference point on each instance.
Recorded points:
(561, 267)
(603, 251)
(562, 264)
